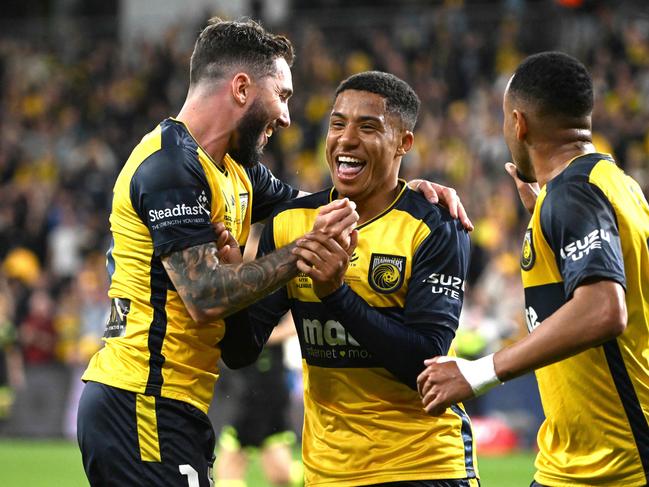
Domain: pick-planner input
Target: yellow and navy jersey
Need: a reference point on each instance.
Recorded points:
(364, 422)
(592, 222)
(165, 199)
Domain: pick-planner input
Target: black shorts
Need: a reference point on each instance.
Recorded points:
(263, 407)
(139, 440)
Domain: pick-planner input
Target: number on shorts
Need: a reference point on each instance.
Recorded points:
(192, 475)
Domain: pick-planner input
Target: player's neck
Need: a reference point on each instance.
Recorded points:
(554, 159)
(211, 128)
(372, 205)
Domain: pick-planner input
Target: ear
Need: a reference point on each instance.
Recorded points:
(407, 140)
(240, 88)
(520, 124)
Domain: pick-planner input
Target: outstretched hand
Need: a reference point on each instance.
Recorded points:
(438, 193)
(528, 192)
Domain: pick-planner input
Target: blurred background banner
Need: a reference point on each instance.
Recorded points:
(82, 80)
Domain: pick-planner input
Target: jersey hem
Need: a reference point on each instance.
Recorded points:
(635, 481)
(393, 477)
(596, 274)
(140, 389)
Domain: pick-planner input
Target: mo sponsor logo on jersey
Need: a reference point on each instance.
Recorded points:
(386, 272)
(451, 286)
(582, 247)
(330, 341)
(181, 209)
(331, 333)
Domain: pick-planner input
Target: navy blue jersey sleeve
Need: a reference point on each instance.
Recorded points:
(267, 192)
(266, 240)
(240, 346)
(170, 193)
(580, 226)
(247, 331)
(400, 347)
(439, 269)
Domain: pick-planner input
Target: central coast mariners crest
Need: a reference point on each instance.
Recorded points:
(527, 253)
(386, 272)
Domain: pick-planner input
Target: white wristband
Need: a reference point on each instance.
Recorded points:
(480, 374)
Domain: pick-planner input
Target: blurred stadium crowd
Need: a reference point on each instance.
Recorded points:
(69, 116)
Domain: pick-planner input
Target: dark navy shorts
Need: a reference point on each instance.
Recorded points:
(263, 407)
(130, 439)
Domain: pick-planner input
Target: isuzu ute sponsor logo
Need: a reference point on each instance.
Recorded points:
(582, 247)
(451, 286)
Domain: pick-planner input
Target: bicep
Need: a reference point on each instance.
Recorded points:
(604, 302)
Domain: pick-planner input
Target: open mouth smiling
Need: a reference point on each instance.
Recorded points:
(349, 167)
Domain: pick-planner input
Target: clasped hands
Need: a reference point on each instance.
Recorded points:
(323, 253)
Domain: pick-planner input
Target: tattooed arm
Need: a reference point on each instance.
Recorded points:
(212, 289)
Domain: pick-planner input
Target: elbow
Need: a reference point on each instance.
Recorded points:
(612, 318)
(205, 316)
(200, 318)
(614, 321)
(603, 305)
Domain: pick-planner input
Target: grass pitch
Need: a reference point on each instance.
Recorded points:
(39, 463)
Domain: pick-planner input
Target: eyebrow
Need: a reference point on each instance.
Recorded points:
(362, 118)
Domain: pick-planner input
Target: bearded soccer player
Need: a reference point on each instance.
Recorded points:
(367, 320)
(585, 267)
(141, 419)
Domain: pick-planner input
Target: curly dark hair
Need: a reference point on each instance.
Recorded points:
(556, 83)
(400, 98)
(223, 45)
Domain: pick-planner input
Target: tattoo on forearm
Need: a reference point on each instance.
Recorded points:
(223, 289)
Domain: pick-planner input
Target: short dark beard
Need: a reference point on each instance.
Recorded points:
(525, 179)
(246, 150)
